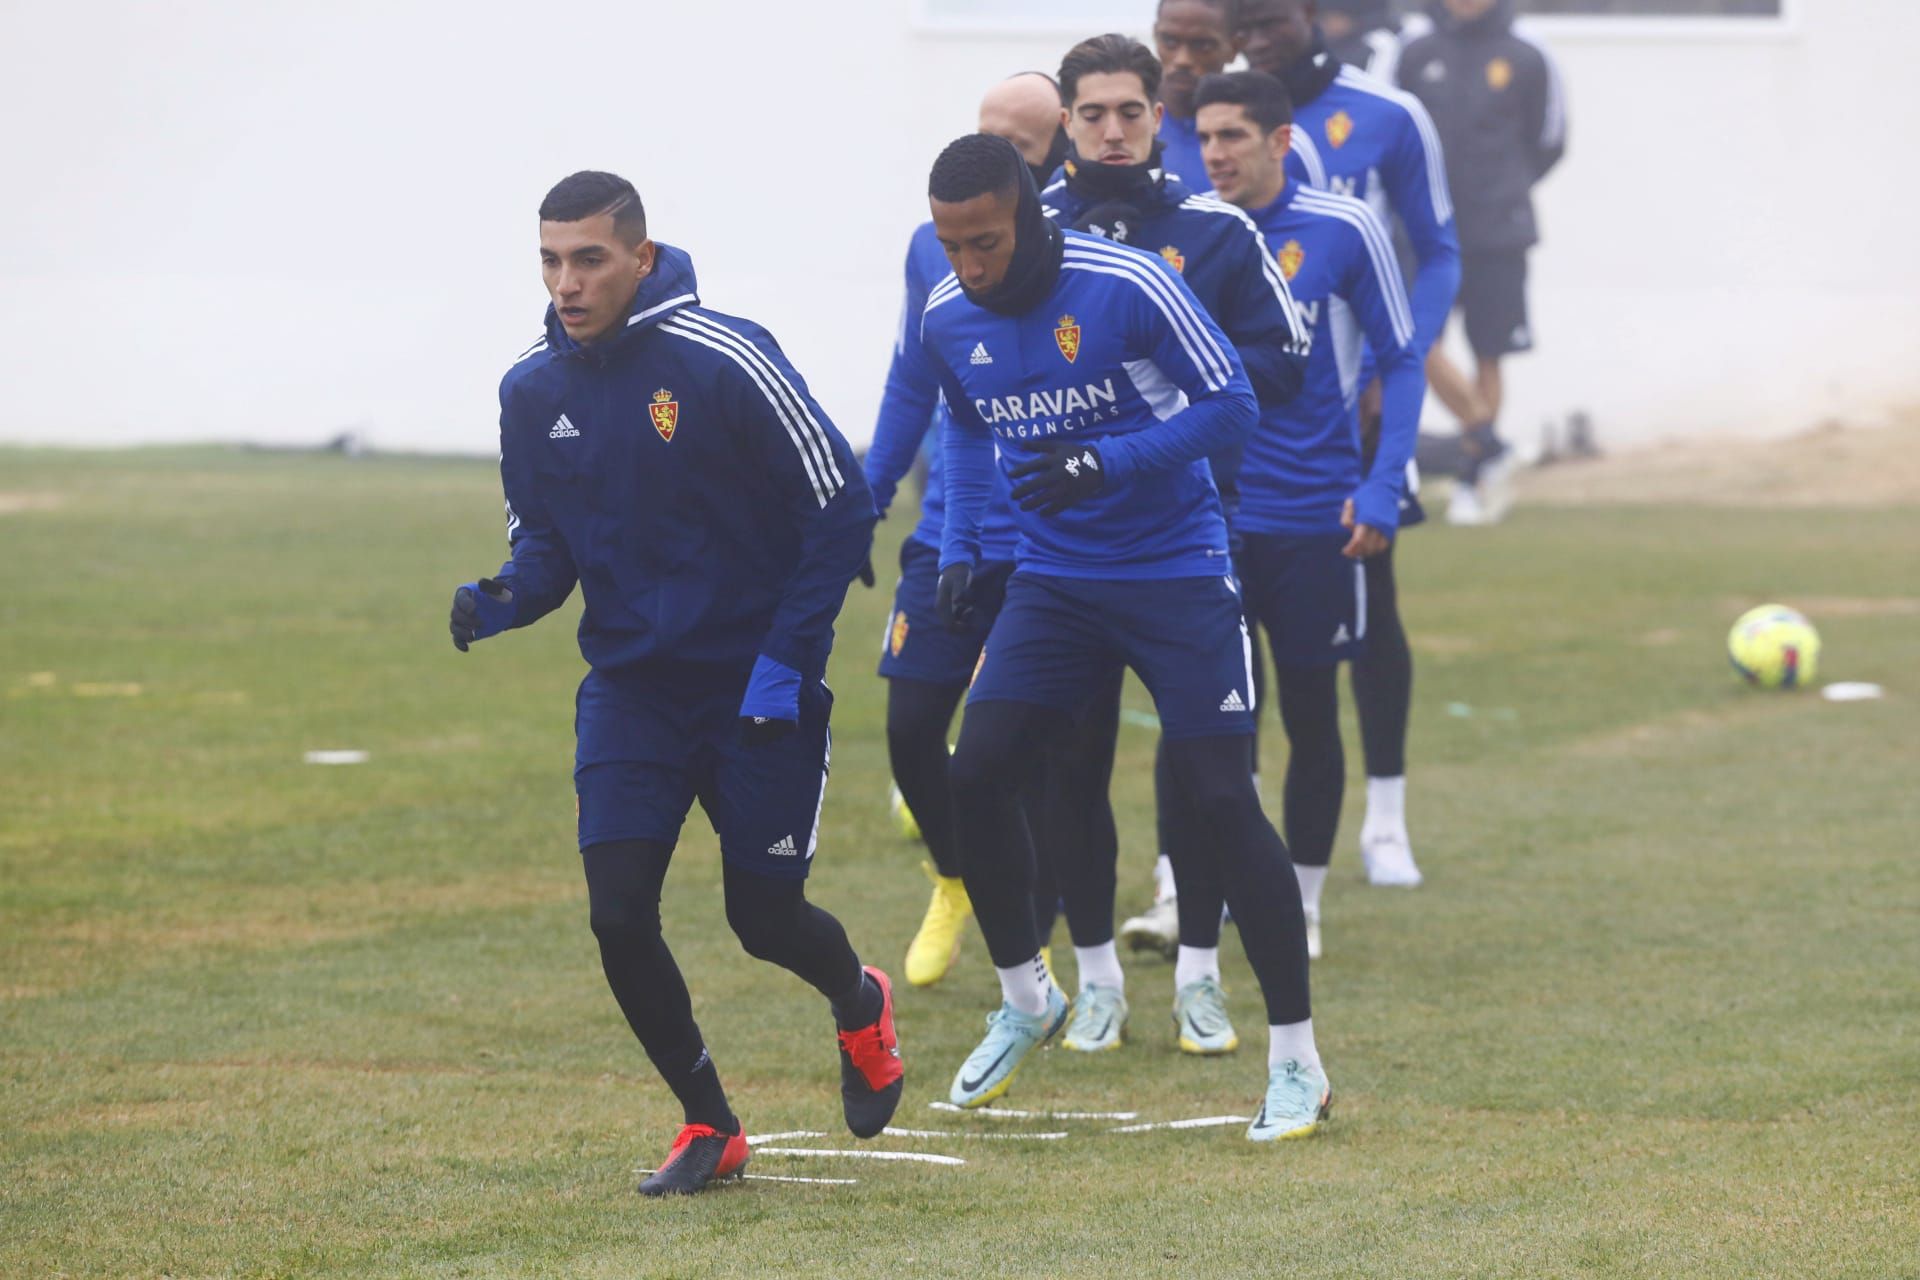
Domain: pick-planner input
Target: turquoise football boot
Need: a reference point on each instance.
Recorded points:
(1011, 1036)
(1298, 1099)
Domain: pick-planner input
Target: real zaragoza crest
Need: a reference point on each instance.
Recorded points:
(665, 412)
(1067, 336)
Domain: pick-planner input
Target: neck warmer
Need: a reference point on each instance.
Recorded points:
(1308, 78)
(1037, 249)
(1138, 184)
(1056, 156)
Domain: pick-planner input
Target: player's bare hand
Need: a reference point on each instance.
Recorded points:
(1366, 541)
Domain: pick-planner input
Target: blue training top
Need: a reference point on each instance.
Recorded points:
(1360, 137)
(1303, 462)
(1121, 355)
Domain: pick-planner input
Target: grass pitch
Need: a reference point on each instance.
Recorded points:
(1654, 1013)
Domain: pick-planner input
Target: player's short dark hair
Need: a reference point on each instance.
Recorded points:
(1266, 100)
(1108, 54)
(589, 193)
(975, 165)
(1230, 9)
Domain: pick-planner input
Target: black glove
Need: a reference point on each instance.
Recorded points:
(866, 571)
(951, 599)
(1059, 478)
(480, 609)
(761, 730)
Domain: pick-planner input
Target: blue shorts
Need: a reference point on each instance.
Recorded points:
(1058, 639)
(1311, 599)
(918, 645)
(647, 746)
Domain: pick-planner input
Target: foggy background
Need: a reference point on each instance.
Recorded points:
(279, 222)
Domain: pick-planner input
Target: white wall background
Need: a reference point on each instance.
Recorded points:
(275, 222)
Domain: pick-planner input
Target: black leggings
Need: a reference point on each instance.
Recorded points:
(918, 716)
(1075, 827)
(1383, 676)
(1235, 846)
(773, 920)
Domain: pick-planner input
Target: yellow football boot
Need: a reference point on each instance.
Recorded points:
(937, 945)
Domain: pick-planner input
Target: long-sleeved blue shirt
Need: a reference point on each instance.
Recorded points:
(1121, 355)
(911, 403)
(1303, 461)
(1362, 138)
(680, 471)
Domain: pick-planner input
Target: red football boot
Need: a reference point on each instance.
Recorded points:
(871, 1075)
(701, 1154)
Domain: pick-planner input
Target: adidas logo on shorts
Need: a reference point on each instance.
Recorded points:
(980, 355)
(783, 848)
(1340, 636)
(1232, 701)
(563, 429)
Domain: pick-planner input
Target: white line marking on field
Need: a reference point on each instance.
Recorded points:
(892, 1132)
(753, 1139)
(1010, 1113)
(336, 757)
(1851, 691)
(107, 689)
(824, 1153)
(818, 1182)
(1202, 1122)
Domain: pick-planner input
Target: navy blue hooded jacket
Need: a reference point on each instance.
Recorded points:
(680, 471)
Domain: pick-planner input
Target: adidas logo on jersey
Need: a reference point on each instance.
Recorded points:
(563, 429)
(1340, 635)
(980, 355)
(783, 848)
(1232, 701)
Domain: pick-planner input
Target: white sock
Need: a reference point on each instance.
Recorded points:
(1025, 986)
(1292, 1042)
(1387, 803)
(1162, 878)
(1194, 964)
(1310, 878)
(1100, 967)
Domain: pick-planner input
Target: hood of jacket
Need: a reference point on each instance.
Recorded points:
(668, 287)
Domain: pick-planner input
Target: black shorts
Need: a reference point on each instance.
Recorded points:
(1493, 298)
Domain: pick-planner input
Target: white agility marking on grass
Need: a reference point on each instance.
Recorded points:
(1852, 691)
(336, 757)
(1011, 1113)
(829, 1154)
(892, 1132)
(1200, 1122)
(754, 1138)
(818, 1182)
(41, 680)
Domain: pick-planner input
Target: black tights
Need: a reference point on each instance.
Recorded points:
(1383, 676)
(1076, 825)
(918, 716)
(774, 922)
(1236, 847)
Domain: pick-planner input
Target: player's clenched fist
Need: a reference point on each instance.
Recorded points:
(951, 600)
(480, 609)
(1055, 480)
